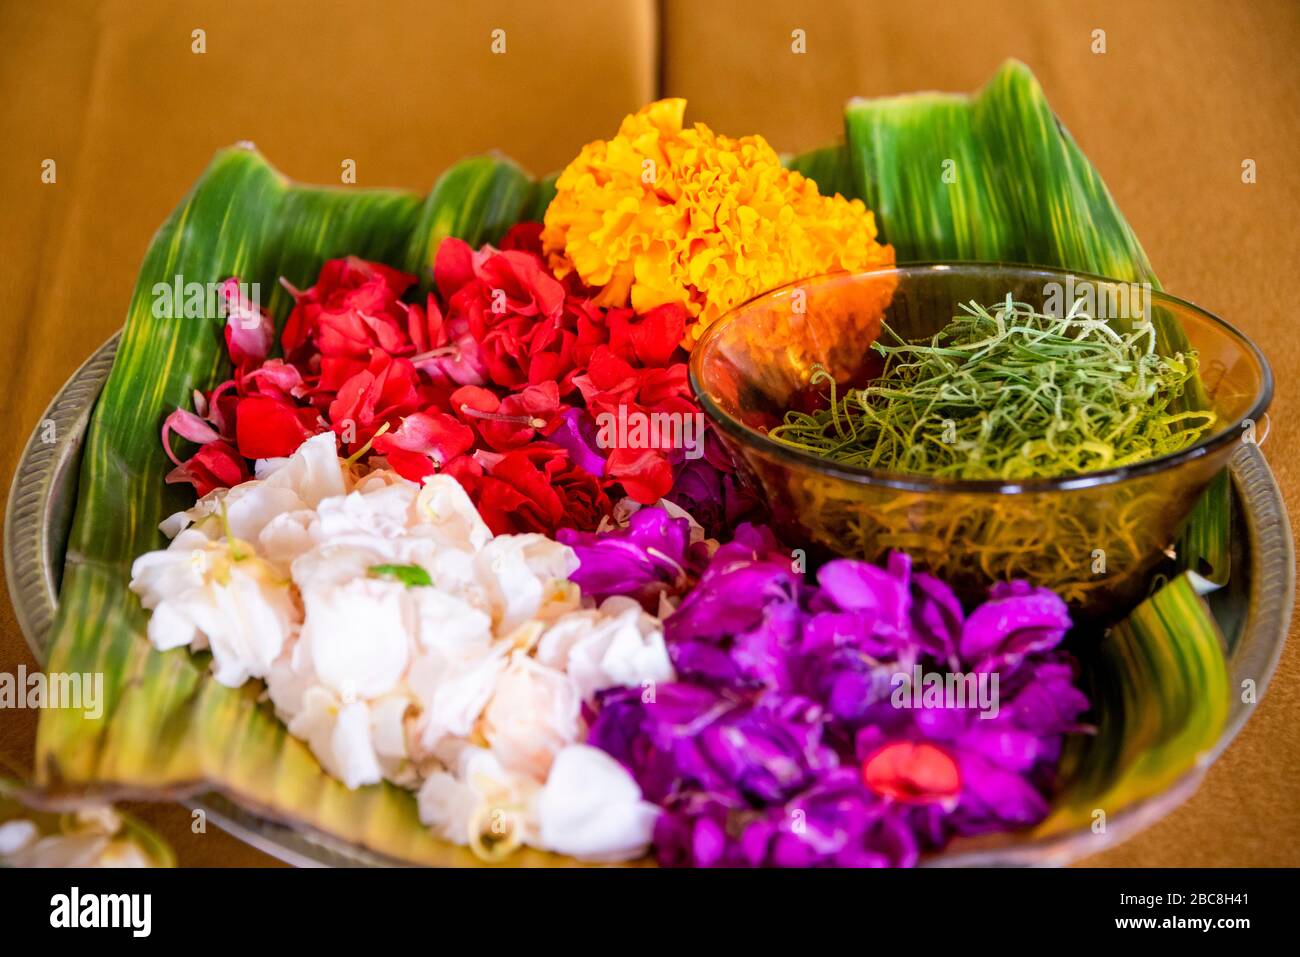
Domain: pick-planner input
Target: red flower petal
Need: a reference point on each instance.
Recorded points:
(267, 428)
(525, 237)
(453, 266)
(466, 471)
(912, 773)
(249, 331)
(428, 434)
(188, 426)
(649, 340)
(276, 378)
(645, 474)
(410, 465)
(517, 495)
(354, 306)
(529, 289)
(215, 465)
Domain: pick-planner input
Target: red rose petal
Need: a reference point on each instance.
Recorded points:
(267, 428)
(645, 474)
(215, 465)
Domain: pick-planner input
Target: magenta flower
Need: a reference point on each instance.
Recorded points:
(795, 737)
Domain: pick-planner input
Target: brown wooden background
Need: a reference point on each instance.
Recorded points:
(112, 92)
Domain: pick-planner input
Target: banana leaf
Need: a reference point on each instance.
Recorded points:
(989, 177)
(1161, 680)
(476, 200)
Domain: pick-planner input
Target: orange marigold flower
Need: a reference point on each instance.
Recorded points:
(664, 214)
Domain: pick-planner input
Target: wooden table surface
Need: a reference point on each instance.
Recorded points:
(113, 92)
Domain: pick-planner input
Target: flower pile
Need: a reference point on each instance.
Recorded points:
(663, 214)
(498, 378)
(797, 733)
(403, 641)
(426, 526)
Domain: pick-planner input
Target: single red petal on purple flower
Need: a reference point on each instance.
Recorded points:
(912, 773)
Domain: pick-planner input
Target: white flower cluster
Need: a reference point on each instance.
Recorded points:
(403, 641)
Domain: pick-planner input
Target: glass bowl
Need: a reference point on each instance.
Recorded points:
(1094, 537)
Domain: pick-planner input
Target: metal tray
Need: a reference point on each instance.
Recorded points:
(1254, 612)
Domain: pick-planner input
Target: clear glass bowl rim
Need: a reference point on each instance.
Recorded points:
(917, 483)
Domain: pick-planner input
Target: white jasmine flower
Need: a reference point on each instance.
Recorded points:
(290, 678)
(216, 595)
(314, 471)
(452, 690)
(377, 509)
(618, 645)
(289, 535)
(339, 735)
(479, 803)
(448, 624)
(526, 577)
(591, 808)
(445, 509)
(388, 734)
(533, 714)
(356, 633)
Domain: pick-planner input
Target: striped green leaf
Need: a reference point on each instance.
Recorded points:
(476, 200)
(989, 177)
(1160, 686)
